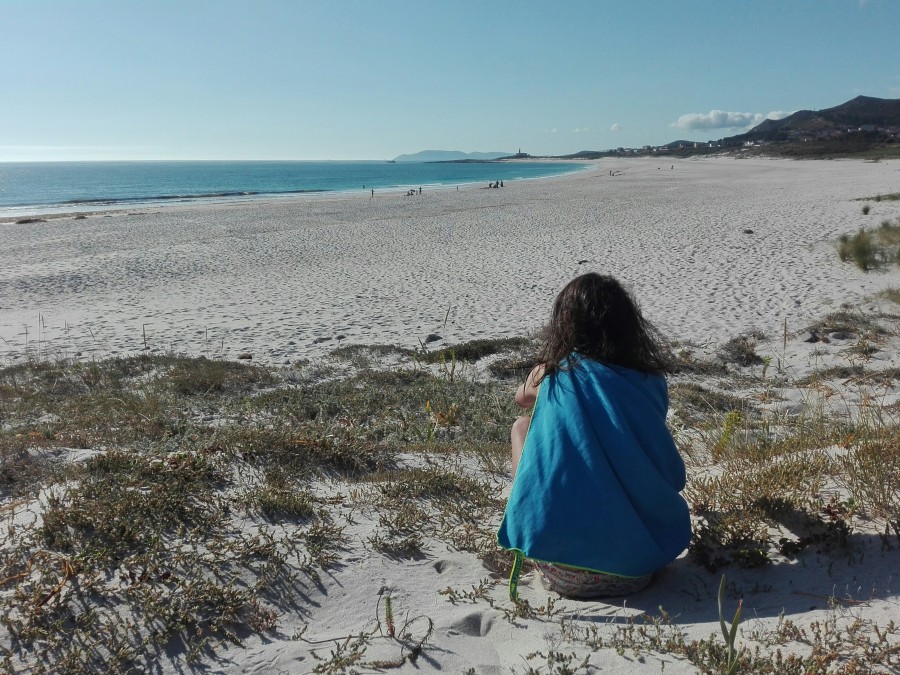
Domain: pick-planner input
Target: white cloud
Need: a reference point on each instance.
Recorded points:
(551, 131)
(721, 119)
(580, 130)
(616, 127)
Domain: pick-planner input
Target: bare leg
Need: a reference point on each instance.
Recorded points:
(517, 437)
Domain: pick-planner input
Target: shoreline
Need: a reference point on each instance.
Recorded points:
(102, 206)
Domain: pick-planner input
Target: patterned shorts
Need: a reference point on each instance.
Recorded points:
(574, 583)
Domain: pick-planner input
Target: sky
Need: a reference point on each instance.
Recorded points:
(373, 79)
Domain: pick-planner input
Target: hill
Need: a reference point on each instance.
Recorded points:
(863, 114)
(448, 156)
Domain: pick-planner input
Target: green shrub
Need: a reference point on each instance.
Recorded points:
(861, 249)
(864, 250)
(891, 293)
(889, 233)
(873, 248)
(844, 248)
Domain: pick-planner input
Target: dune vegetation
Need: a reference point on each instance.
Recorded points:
(168, 506)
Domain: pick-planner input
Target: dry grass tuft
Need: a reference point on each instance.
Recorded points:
(741, 350)
(871, 248)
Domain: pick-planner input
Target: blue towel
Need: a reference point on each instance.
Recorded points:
(598, 483)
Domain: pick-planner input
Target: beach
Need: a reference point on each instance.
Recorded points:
(712, 249)
(292, 279)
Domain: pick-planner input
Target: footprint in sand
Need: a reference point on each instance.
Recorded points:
(476, 624)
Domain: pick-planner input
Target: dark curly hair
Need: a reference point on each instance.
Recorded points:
(595, 317)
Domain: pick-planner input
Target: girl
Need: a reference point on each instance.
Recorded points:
(596, 475)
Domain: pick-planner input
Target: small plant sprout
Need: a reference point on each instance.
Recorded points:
(731, 423)
(729, 633)
(431, 425)
(389, 617)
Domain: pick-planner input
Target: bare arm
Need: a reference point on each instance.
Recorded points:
(526, 395)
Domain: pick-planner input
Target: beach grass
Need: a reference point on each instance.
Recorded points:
(168, 504)
(872, 248)
(888, 197)
(741, 350)
(891, 293)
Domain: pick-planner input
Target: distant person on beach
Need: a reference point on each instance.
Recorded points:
(596, 500)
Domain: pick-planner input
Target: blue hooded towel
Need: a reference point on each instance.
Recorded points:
(598, 483)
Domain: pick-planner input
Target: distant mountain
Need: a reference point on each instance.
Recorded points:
(860, 112)
(584, 154)
(674, 145)
(449, 156)
(864, 124)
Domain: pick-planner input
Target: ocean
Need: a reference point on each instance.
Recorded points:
(48, 187)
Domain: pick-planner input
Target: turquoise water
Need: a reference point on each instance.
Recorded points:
(70, 186)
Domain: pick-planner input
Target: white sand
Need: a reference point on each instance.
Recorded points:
(272, 278)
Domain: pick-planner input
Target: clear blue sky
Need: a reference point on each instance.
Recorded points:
(371, 79)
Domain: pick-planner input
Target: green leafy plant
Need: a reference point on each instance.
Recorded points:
(729, 633)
